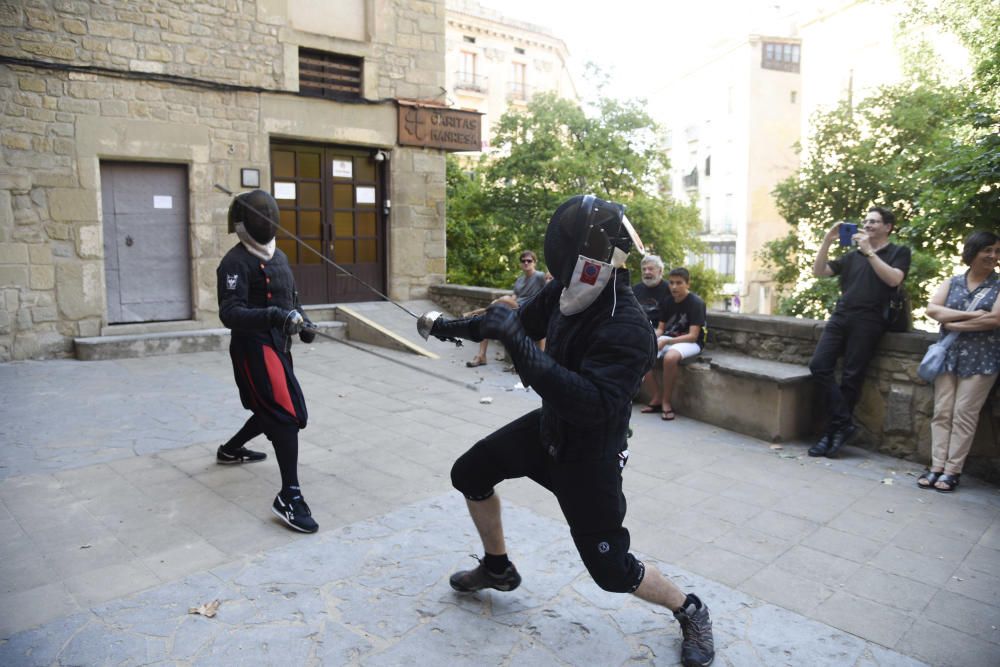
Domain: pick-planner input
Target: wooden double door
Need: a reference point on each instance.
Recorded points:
(333, 199)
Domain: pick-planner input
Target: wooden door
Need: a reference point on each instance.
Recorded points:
(332, 198)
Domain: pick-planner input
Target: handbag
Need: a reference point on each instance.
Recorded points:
(933, 362)
(897, 311)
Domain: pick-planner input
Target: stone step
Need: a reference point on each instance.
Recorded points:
(132, 345)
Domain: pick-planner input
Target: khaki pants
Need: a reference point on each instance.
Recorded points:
(957, 402)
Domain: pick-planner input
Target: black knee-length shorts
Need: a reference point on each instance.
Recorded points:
(589, 493)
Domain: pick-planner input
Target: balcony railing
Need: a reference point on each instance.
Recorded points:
(518, 92)
(470, 81)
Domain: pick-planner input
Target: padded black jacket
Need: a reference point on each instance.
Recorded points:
(600, 361)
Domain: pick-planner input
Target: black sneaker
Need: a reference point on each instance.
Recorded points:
(469, 581)
(697, 647)
(295, 513)
(840, 438)
(242, 455)
(821, 447)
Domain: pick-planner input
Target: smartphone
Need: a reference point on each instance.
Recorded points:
(847, 230)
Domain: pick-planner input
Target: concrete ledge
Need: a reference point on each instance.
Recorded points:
(364, 330)
(458, 299)
(741, 365)
(169, 342)
(769, 400)
(802, 330)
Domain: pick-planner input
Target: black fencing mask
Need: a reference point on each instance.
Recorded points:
(258, 212)
(586, 240)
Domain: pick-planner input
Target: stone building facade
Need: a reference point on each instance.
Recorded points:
(730, 142)
(107, 105)
(495, 62)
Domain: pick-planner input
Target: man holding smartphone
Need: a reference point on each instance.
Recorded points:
(868, 276)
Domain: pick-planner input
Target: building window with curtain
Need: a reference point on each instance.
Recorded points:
(517, 89)
(721, 257)
(780, 56)
(466, 77)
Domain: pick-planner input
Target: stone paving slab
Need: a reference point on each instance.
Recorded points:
(375, 593)
(109, 489)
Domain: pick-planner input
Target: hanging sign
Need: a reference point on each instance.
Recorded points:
(438, 127)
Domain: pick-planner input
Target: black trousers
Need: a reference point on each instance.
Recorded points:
(855, 338)
(589, 493)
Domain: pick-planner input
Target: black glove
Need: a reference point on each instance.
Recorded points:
(467, 328)
(276, 317)
(308, 333)
(500, 322)
(289, 321)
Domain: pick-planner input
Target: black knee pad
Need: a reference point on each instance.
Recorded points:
(465, 479)
(609, 562)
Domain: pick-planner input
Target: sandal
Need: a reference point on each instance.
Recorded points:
(950, 483)
(930, 477)
(476, 361)
(649, 409)
(668, 416)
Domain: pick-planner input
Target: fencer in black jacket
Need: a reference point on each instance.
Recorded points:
(599, 344)
(259, 303)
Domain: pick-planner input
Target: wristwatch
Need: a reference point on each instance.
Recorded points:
(869, 254)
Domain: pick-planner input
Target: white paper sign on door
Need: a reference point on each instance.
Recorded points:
(284, 190)
(342, 169)
(163, 201)
(365, 195)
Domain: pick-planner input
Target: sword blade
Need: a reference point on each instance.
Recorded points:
(464, 385)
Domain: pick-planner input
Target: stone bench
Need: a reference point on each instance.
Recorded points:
(770, 400)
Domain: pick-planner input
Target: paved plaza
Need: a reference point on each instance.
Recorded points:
(117, 521)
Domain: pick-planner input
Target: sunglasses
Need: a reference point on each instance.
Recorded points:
(527, 260)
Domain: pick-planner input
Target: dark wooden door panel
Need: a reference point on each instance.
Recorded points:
(338, 209)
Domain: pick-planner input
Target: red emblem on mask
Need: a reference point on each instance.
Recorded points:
(590, 273)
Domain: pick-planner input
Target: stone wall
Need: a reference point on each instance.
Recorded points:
(458, 299)
(83, 81)
(895, 407)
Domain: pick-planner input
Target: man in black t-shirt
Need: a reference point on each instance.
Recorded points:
(868, 277)
(680, 334)
(653, 289)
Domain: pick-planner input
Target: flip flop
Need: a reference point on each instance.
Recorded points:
(474, 364)
(649, 409)
(668, 416)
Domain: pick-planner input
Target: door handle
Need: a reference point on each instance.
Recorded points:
(129, 241)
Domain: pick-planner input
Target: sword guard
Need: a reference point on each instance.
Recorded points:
(426, 322)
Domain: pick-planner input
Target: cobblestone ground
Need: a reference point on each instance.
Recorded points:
(117, 521)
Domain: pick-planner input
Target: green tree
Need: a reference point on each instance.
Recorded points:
(925, 148)
(544, 155)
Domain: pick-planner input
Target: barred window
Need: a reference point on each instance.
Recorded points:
(329, 75)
